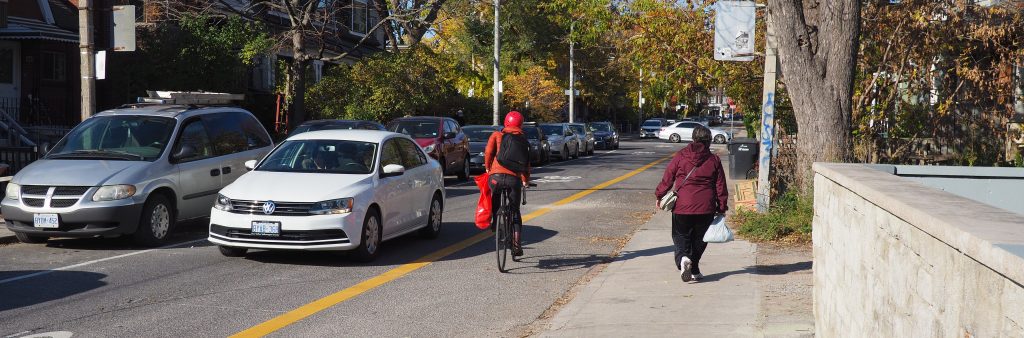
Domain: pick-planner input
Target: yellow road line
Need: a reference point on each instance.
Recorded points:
(321, 304)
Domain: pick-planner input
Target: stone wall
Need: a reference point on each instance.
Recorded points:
(894, 258)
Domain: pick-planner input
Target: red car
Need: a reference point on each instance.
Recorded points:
(441, 137)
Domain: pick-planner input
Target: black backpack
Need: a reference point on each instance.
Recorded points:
(514, 152)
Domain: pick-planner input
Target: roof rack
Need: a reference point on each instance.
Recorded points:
(190, 98)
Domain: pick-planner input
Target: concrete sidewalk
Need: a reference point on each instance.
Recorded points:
(640, 294)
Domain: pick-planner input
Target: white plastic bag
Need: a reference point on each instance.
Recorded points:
(718, 232)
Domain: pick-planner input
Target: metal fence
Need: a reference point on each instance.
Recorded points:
(17, 158)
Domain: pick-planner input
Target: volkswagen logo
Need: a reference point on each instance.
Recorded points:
(269, 207)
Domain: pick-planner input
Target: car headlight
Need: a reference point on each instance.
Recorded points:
(222, 203)
(430, 148)
(13, 191)
(332, 207)
(113, 192)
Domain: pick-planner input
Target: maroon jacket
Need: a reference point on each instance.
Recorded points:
(704, 187)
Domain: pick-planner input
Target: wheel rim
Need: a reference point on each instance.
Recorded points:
(372, 229)
(719, 139)
(160, 221)
(435, 215)
(674, 138)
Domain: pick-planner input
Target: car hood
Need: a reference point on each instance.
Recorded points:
(477, 147)
(602, 133)
(423, 142)
(295, 187)
(87, 173)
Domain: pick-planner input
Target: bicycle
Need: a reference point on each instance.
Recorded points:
(505, 228)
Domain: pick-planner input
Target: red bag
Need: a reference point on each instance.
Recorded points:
(483, 206)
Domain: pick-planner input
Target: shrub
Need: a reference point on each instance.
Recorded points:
(789, 219)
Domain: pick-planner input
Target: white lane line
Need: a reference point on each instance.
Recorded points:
(69, 267)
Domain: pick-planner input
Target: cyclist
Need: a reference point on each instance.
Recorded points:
(508, 164)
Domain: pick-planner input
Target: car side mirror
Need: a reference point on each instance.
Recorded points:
(186, 151)
(250, 165)
(450, 135)
(393, 170)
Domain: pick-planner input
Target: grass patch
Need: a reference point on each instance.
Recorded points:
(788, 219)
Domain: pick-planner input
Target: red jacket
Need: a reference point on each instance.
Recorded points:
(491, 154)
(705, 192)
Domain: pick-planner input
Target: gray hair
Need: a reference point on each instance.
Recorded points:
(702, 134)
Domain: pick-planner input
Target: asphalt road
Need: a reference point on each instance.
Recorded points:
(106, 287)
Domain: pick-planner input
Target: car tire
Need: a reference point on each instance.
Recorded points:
(576, 154)
(565, 153)
(369, 246)
(464, 173)
(228, 251)
(674, 138)
(720, 139)
(156, 222)
(434, 218)
(29, 239)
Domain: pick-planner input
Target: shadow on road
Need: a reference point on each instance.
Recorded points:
(183, 232)
(58, 285)
(531, 235)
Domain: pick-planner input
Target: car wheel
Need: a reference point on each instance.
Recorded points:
(433, 228)
(228, 251)
(156, 222)
(720, 139)
(29, 239)
(674, 138)
(565, 153)
(576, 154)
(369, 247)
(464, 174)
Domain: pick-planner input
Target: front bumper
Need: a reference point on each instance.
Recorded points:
(649, 133)
(605, 143)
(476, 163)
(314, 233)
(85, 219)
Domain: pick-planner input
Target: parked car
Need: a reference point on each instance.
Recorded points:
(134, 171)
(335, 124)
(540, 148)
(683, 131)
(586, 137)
(564, 142)
(605, 135)
(331, 190)
(441, 138)
(478, 136)
(652, 127)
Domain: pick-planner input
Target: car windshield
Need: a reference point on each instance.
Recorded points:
(128, 138)
(323, 126)
(600, 127)
(652, 123)
(416, 129)
(478, 134)
(552, 130)
(531, 133)
(321, 156)
(577, 129)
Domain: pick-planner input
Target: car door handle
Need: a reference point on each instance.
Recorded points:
(226, 170)
(215, 172)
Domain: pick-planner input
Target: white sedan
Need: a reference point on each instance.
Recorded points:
(331, 190)
(683, 131)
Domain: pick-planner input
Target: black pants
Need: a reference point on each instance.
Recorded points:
(688, 236)
(499, 181)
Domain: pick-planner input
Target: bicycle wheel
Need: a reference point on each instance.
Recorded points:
(501, 236)
(516, 229)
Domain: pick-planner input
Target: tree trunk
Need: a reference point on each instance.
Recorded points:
(297, 81)
(818, 43)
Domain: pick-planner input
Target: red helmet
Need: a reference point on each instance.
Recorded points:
(514, 119)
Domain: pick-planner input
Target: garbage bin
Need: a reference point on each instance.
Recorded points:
(742, 157)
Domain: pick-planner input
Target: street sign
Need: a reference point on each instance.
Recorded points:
(567, 92)
(101, 65)
(734, 30)
(124, 28)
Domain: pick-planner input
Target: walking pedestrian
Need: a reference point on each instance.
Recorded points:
(697, 176)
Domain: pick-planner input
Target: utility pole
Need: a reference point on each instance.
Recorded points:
(572, 75)
(88, 58)
(640, 102)
(497, 60)
(767, 129)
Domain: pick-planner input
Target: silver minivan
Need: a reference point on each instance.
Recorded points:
(133, 171)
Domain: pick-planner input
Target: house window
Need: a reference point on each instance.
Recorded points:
(54, 66)
(360, 15)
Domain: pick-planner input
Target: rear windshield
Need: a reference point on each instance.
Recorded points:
(416, 129)
(325, 126)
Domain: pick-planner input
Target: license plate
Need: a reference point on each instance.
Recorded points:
(49, 221)
(266, 228)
